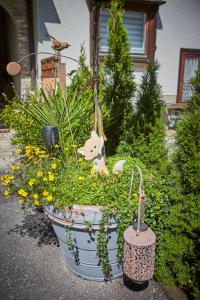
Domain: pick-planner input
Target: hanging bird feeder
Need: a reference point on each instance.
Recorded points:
(140, 243)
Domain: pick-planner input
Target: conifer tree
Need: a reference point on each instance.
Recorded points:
(118, 85)
(180, 259)
(146, 137)
(188, 141)
(149, 103)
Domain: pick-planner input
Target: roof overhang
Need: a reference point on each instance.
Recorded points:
(141, 2)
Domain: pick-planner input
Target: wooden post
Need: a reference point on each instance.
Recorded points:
(52, 72)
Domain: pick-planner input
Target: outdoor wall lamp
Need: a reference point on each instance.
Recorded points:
(140, 243)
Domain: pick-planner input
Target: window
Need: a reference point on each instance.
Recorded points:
(135, 24)
(140, 21)
(189, 64)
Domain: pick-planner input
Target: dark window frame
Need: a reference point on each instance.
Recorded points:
(151, 10)
(184, 53)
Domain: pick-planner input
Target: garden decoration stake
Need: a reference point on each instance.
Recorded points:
(140, 242)
(13, 68)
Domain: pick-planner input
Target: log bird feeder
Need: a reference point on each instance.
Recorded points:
(140, 243)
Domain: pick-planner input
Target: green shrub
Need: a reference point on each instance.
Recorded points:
(27, 131)
(179, 261)
(118, 85)
(145, 138)
(188, 142)
(149, 104)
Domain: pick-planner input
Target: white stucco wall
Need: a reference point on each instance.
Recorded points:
(66, 20)
(178, 28)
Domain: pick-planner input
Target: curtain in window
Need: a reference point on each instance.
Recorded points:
(191, 66)
(135, 24)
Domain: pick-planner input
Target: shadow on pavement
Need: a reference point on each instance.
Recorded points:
(36, 225)
(134, 286)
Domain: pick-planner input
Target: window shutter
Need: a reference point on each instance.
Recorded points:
(135, 24)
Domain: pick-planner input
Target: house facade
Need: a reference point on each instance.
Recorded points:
(166, 31)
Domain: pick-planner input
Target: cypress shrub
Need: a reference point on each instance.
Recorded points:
(118, 85)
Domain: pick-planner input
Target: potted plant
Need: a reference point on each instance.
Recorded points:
(89, 212)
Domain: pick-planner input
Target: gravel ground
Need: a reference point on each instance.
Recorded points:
(32, 266)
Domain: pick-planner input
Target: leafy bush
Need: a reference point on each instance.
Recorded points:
(118, 85)
(188, 142)
(150, 103)
(179, 263)
(145, 138)
(27, 131)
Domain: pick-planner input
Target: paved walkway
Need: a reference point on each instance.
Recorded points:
(6, 149)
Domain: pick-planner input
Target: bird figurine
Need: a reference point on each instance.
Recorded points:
(58, 45)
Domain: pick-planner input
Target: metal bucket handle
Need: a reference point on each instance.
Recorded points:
(140, 192)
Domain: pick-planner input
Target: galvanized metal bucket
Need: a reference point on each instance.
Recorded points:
(78, 241)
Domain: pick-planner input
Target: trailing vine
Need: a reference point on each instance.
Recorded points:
(71, 246)
(102, 243)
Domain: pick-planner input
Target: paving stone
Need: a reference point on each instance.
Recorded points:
(7, 150)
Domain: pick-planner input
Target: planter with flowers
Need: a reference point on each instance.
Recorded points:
(89, 211)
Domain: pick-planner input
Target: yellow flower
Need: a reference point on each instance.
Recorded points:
(45, 193)
(23, 193)
(32, 181)
(21, 201)
(37, 202)
(56, 146)
(35, 196)
(6, 193)
(66, 149)
(6, 179)
(51, 177)
(81, 178)
(6, 182)
(54, 166)
(49, 198)
(94, 184)
(93, 171)
(39, 174)
(45, 179)
(15, 168)
(80, 159)
(17, 151)
(74, 146)
(37, 151)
